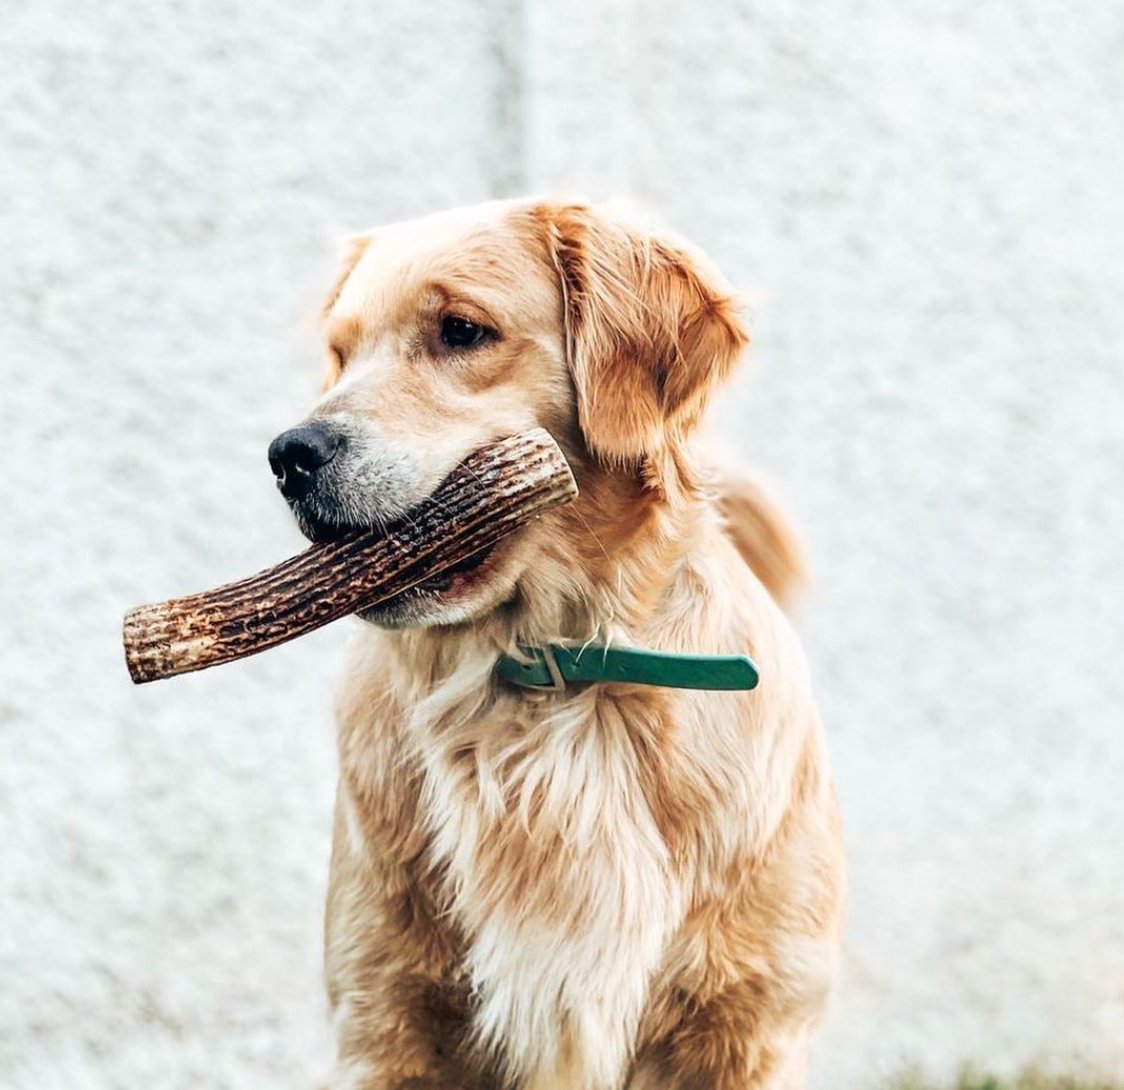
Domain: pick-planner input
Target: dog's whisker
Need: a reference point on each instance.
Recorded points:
(592, 533)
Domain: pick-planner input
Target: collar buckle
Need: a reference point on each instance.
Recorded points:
(557, 681)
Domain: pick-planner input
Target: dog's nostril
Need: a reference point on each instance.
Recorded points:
(297, 454)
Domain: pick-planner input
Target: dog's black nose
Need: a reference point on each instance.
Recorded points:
(296, 455)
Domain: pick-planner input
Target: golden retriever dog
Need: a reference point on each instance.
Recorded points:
(606, 885)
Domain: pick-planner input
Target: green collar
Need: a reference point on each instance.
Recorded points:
(552, 666)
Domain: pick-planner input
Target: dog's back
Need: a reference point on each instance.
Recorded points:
(759, 528)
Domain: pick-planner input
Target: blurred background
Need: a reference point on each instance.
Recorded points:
(924, 202)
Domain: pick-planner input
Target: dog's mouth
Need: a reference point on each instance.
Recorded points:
(444, 588)
(459, 575)
(454, 581)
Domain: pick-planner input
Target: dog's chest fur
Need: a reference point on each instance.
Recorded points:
(543, 824)
(557, 873)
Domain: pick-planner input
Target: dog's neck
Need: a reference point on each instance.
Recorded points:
(599, 581)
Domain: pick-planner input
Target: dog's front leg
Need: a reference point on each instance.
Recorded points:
(400, 1016)
(403, 1034)
(729, 1043)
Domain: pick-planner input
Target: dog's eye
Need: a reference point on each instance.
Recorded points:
(457, 332)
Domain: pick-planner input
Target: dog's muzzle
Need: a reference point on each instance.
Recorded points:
(339, 474)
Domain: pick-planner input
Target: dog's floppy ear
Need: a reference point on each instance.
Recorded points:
(650, 329)
(351, 252)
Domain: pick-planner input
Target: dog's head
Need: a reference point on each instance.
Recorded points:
(450, 332)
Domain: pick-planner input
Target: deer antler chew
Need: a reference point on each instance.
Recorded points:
(494, 491)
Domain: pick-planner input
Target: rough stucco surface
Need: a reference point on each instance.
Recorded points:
(925, 202)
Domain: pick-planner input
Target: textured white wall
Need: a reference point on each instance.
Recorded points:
(926, 202)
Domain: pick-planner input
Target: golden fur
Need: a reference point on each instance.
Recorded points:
(616, 886)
